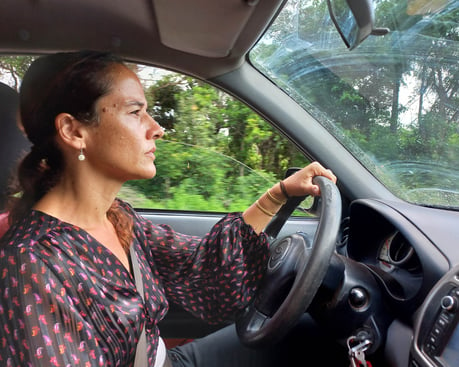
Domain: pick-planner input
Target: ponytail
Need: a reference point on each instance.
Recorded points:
(37, 173)
(64, 82)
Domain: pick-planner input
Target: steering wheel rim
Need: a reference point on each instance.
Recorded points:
(256, 327)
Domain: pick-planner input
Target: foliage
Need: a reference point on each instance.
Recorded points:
(366, 97)
(216, 154)
(199, 163)
(13, 68)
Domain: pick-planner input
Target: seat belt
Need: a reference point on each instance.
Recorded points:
(141, 358)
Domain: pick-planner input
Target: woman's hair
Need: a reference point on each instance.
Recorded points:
(71, 83)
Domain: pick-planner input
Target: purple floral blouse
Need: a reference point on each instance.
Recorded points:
(66, 300)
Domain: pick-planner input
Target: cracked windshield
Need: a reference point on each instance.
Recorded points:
(392, 101)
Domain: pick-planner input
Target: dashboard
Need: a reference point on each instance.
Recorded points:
(395, 253)
(436, 336)
(409, 252)
(413, 253)
(403, 259)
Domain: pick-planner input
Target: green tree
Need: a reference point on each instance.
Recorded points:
(13, 69)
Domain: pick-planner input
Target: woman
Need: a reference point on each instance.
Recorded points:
(69, 297)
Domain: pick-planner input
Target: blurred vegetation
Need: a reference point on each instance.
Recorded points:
(216, 154)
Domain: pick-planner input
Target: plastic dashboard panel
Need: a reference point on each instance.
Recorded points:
(371, 220)
(434, 237)
(436, 336)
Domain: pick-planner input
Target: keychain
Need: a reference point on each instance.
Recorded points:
(357, 352)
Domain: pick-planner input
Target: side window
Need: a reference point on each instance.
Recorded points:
(217, 155)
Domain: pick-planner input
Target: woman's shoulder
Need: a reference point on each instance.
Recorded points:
(29, 230)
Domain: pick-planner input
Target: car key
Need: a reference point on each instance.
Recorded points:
(357, 352)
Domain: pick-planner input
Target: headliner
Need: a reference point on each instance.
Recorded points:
(205, 38)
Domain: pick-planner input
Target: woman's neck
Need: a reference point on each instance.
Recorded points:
(86, 209)
(83, 205)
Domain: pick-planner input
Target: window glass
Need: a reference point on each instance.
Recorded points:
(392, 102)
(217, 155)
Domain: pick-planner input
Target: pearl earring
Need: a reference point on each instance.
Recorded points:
(81, 156)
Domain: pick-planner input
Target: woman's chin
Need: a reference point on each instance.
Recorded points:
(150, 173)
(144, 175)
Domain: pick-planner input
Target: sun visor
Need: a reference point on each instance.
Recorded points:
(186, 25)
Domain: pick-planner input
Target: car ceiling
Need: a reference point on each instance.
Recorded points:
(204, 38)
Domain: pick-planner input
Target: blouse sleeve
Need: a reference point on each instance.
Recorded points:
(212, 277)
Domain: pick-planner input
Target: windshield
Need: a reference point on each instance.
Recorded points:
(392, 101)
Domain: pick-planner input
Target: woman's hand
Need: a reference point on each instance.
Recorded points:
(300, 183)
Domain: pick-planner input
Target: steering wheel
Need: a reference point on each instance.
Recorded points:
(295, 271)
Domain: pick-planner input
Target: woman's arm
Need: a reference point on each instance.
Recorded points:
(216, 275)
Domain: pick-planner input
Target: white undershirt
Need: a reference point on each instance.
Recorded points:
(160, 353)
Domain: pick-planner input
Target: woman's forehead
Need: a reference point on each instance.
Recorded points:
(126, 88)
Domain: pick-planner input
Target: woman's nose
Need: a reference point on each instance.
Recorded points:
(155, 130)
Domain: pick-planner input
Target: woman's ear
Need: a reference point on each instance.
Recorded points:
(70, 130)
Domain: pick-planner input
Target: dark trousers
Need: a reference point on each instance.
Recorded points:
(304, 346)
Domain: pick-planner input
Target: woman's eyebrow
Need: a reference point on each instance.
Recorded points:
(134, 103)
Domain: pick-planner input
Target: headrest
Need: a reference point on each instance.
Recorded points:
(13, 143)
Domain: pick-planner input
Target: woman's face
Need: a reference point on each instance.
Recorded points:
(122, 145)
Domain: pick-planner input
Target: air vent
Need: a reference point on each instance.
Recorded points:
(343, 235)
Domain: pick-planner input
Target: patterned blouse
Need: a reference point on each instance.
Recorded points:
(66, 300)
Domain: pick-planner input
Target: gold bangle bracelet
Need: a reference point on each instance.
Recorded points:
(265, 211)
(275, 200)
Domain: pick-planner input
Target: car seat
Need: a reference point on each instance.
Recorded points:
(13, 143)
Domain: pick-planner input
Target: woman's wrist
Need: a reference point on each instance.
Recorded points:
(275, 199)
(284, 190)
(271, 201)
(262, 210)
(279, 192)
